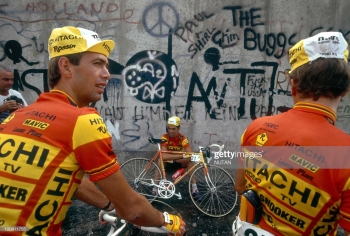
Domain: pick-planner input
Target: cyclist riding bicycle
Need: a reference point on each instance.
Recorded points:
(175, 141)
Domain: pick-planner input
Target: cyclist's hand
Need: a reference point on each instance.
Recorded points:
(102, 213)
(10, 105)
(174, 224)
(19, 105)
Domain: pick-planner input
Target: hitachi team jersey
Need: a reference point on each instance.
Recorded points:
(45, 149)
(178, 143)
(304, 185)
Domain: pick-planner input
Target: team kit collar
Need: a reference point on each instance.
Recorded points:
(71, 101)
(316, 108)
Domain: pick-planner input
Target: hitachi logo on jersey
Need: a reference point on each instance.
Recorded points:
(36, 124)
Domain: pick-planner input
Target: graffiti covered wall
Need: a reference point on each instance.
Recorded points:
(216, 64)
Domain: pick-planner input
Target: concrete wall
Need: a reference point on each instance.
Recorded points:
(216, 64)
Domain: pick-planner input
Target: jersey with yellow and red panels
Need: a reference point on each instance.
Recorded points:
(301, 192)
(178, 143)
(45, 150)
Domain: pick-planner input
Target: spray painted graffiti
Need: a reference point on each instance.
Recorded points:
(68, 9)
(272, 44)
(180, 31)
(113, 129)
(230, 59)
(212, 57)
(13, 51)
(201, 41)
(138, 135)
(151, 76)
(167, 18)
(225, 39)
(321, 29)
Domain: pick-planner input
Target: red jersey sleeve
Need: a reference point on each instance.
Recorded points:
(185, 142)
(164, 137)
(93, 148)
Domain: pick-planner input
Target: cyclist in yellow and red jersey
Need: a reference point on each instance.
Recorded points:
(301, 172)
(175, 141)
(48, 146)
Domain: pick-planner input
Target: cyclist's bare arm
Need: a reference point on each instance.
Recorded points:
(240, 181)
(90, 194)
(128, 204)
(168, 156)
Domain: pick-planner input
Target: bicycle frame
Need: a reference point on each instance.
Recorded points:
(189, 154)
(215, 187)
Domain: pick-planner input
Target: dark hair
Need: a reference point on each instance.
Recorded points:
(328, 77)
(54, 74)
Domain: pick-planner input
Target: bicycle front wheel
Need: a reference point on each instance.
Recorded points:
(140, 178)
(217, 191)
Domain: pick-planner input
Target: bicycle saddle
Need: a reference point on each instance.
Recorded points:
(155, 140)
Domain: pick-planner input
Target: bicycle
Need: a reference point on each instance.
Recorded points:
(214, 183)
(120, 227)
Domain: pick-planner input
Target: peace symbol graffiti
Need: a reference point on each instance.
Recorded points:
(159, 18)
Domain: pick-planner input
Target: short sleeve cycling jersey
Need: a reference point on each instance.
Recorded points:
(45, 150)
(299, 197)
(178, 143)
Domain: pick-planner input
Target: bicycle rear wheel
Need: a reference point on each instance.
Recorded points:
(140, 179)
(217, 190)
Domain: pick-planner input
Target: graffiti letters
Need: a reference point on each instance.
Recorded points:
(200, 17)
(267, 43)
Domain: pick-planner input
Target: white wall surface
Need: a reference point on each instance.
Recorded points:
(216, 64)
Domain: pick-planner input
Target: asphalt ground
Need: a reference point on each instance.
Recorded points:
(82, 219)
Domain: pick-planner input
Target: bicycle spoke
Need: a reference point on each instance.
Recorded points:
(217, 191)
(134, 171)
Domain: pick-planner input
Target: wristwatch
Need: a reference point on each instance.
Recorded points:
(166, 219)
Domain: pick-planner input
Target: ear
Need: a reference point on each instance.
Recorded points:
(64, 65)
(293, 89)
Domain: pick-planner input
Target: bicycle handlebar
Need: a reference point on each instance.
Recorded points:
(109, 218)
(113, 219)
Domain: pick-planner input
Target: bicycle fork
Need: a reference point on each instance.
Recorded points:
(210, 184)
